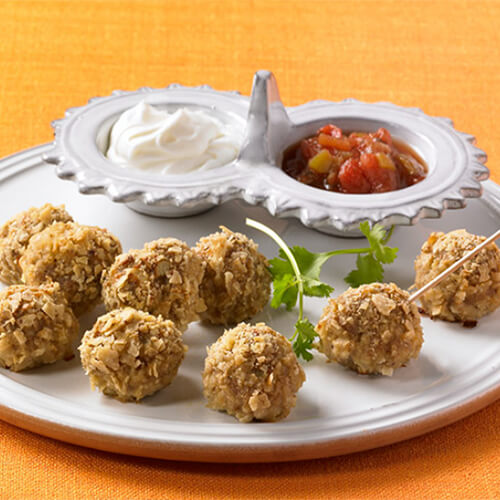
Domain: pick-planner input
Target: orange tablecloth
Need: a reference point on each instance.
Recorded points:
(442, 56)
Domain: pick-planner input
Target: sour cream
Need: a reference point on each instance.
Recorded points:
(157, 141)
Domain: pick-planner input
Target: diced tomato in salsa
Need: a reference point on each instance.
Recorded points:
(382, 179)
(352, 178)
(331, 130)
(310, 147)
(355, 163)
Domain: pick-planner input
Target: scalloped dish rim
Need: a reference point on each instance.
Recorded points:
(269, 187)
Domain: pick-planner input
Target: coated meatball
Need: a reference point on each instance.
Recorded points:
(37, 327)
(131, 354)
(16, 233)
(162, 278)
(74, 256)
(470, 292)
(371, 329)
(237, 283)
(251, 372)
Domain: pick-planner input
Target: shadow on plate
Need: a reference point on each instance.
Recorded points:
(180, 390)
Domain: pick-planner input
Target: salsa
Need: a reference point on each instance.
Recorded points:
(354, 163)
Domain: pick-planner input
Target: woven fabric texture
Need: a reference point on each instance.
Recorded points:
(441, 56)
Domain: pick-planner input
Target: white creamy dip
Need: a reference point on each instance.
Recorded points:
(187, 140)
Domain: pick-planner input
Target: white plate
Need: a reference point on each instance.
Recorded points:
(338, 411)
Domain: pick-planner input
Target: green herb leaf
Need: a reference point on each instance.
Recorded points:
(303, 339)
(378, 237)
(368, 270)
(280, 265)
(310, 267)
(285, 291)
(369, 267)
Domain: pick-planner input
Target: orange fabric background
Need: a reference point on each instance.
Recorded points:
(442, 56)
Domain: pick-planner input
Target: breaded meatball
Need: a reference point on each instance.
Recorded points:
(37, 327)
(73, 256)
(162, 278)
(470, 292)
(237, 283)
(371, 329)
(130, 354)
(16, 233)
(252, 373)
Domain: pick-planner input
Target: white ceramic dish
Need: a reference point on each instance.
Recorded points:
(338, 411)
(456, 166)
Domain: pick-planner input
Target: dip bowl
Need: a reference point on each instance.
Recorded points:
(267, 128)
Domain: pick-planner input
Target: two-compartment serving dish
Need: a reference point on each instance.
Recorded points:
(456, 166)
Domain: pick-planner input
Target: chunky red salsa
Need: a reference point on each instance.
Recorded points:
(354, 163)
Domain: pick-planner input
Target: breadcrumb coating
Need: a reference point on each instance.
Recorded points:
(130, 354)
(252, 373)
(16, 233)
(371, 329)
(470, 292)
(162, 278)
(237, 282)
(37, 327)
(74, 256)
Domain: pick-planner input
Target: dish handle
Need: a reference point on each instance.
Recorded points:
(267, 122)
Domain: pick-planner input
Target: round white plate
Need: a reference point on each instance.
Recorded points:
(337, 412)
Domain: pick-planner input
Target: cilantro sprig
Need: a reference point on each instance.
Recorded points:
(296, 273)
(289, 283)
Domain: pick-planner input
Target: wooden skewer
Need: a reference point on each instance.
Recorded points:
(453, 267)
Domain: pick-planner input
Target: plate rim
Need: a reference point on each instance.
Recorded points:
(230, 452)
(250, 454)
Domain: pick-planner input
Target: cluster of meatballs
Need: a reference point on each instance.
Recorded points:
(58, 270)
(53, 266)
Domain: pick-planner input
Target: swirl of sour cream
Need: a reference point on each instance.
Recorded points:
(187, 140)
